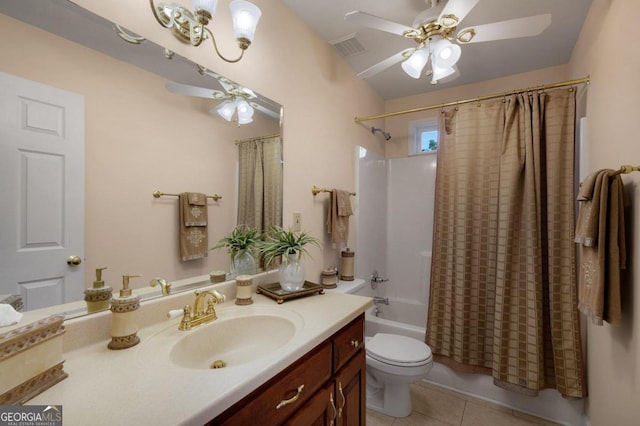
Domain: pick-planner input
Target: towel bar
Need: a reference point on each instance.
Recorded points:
(626, 170)
(158, 194)
(315, 191)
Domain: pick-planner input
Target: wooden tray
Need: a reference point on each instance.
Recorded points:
(276, 292)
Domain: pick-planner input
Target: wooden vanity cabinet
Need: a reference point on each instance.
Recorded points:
(333, 376)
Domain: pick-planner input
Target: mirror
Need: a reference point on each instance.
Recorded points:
(138, 137)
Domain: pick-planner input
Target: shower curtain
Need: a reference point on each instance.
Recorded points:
(260, 182)
(503, 283)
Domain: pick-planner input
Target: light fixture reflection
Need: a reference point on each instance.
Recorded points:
(237, 106)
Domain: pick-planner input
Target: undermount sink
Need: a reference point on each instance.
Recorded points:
(238, 336)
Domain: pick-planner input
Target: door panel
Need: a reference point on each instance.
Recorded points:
(42, 185)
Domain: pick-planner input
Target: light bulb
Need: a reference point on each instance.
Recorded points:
(445, 53)
(416, 62)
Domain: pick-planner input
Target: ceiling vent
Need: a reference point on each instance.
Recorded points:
(348, 45)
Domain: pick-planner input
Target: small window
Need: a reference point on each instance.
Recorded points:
(423, 136)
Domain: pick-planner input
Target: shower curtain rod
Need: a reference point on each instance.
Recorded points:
(259, 138)
(478, 99)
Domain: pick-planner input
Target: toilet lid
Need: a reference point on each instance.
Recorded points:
(397, 349)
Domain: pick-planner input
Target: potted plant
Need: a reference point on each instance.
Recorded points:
(240, 244)
(291, 245)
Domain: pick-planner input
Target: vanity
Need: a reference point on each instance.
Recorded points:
(293, 363)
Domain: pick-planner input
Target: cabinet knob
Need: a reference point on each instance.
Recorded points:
(355, 343)
(291, 400)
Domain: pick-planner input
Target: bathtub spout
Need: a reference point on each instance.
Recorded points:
(380, 300)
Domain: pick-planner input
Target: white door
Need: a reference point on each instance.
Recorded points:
(41, 192)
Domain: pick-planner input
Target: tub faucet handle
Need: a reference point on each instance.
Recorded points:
(377, 279)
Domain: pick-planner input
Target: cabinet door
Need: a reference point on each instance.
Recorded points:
(347, 342)
(320, 410)
(350, 386)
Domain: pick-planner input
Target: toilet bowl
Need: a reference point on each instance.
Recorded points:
(393, 363)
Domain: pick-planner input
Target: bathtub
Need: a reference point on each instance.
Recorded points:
(409, 318)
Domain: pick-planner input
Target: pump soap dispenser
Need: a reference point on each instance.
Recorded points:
(98, 297)
(124, 325)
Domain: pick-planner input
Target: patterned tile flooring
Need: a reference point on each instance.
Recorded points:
(436, 406)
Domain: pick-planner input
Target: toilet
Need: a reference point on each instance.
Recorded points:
(393, 363)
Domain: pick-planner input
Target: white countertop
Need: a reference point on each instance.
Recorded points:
(141, 385)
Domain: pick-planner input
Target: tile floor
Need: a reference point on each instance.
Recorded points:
(436, 406)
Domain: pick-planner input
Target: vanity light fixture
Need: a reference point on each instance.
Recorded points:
(191, 27)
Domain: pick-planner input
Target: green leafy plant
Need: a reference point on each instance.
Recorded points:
(241, 240)
(280, 242)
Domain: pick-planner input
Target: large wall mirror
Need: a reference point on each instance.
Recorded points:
(139, 135)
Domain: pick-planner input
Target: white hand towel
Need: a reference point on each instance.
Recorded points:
(8, 315)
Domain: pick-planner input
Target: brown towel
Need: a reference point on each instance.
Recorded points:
(195, 209)
(338, 216)
(600, 232)
(193, 231)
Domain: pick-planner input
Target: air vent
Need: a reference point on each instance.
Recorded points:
(348, 45)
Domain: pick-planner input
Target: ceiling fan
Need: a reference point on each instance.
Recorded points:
(238, 102)
(438, 38)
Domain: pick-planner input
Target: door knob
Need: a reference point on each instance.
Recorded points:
(74, 261)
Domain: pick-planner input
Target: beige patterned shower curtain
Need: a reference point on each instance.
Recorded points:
(260, 182)
(503, 282)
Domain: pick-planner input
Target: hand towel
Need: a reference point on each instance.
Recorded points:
(193, 231)
(601, 235)
(195, 209)
(338, 216)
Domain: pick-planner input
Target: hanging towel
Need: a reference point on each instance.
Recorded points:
(195, 209)
(601, 234)
(193, 231)
(338, 216)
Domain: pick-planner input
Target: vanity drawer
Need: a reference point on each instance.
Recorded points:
(347, 342)
(276, 400)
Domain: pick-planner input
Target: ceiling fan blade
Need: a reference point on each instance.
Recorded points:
(459, 8)
(266, 111)
(372, 21)
(200, 92)
(513, 28)
(383, 65)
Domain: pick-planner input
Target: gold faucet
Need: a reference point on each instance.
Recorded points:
(166, 287)
(201, 315)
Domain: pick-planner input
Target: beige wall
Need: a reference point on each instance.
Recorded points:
(608, 50)
(320, 93)
(138, 138)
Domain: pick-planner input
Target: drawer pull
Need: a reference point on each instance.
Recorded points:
(344, 400)
(355, 343)
(333, 405)
(291, 400)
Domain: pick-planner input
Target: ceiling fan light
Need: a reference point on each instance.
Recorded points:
(245, 16)
(226, 109)
(245, 112)
(446, 54)
(415, 63)
(207, 5)
(439, 73)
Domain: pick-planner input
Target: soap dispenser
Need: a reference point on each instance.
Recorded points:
(124, 325)
(98, 297)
